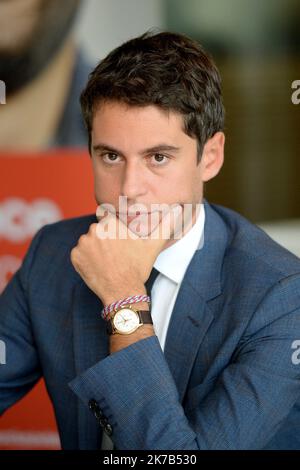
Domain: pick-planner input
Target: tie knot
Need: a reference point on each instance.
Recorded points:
(149, 283)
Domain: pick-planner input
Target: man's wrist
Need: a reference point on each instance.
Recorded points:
(118, 342)
(119, 294)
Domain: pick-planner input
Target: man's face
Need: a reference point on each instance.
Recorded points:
(144, 154)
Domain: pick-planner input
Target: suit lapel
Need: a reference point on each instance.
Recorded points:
(193, 311)
(189, 323)
(90, 342)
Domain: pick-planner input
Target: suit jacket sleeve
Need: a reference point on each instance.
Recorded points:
(22, 369)
(243, 408)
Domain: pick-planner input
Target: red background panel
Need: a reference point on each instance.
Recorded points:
(34, 190)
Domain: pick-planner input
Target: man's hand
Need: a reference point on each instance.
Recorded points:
(116, 267)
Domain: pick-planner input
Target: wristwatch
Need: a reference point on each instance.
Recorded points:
(126, 320)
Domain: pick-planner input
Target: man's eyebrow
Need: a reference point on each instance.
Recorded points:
(106, 148)
(101, 147)
(160, 148)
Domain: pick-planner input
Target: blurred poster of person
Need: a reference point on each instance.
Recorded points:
(43, 70)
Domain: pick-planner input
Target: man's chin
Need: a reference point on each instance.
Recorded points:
(141, 225)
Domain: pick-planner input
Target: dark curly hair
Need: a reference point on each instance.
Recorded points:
(165, 69)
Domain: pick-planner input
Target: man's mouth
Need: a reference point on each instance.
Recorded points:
(133, 213)
(139, 216)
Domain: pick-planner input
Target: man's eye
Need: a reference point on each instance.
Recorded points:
(159, 159)
(110, 157)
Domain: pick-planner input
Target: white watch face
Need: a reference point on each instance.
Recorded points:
(126, 321)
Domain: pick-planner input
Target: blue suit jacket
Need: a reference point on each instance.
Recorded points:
(228, 378)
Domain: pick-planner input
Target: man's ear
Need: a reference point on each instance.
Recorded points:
(212, 156)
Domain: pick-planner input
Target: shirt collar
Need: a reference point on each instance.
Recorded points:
(174, 260)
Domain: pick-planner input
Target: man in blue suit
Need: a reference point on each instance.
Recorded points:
(215, 362)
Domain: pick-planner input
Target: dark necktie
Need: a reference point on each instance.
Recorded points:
(149, 283)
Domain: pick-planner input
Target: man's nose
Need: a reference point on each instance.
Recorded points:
(134, 181)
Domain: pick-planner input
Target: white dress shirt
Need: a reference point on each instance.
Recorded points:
(172, 264)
